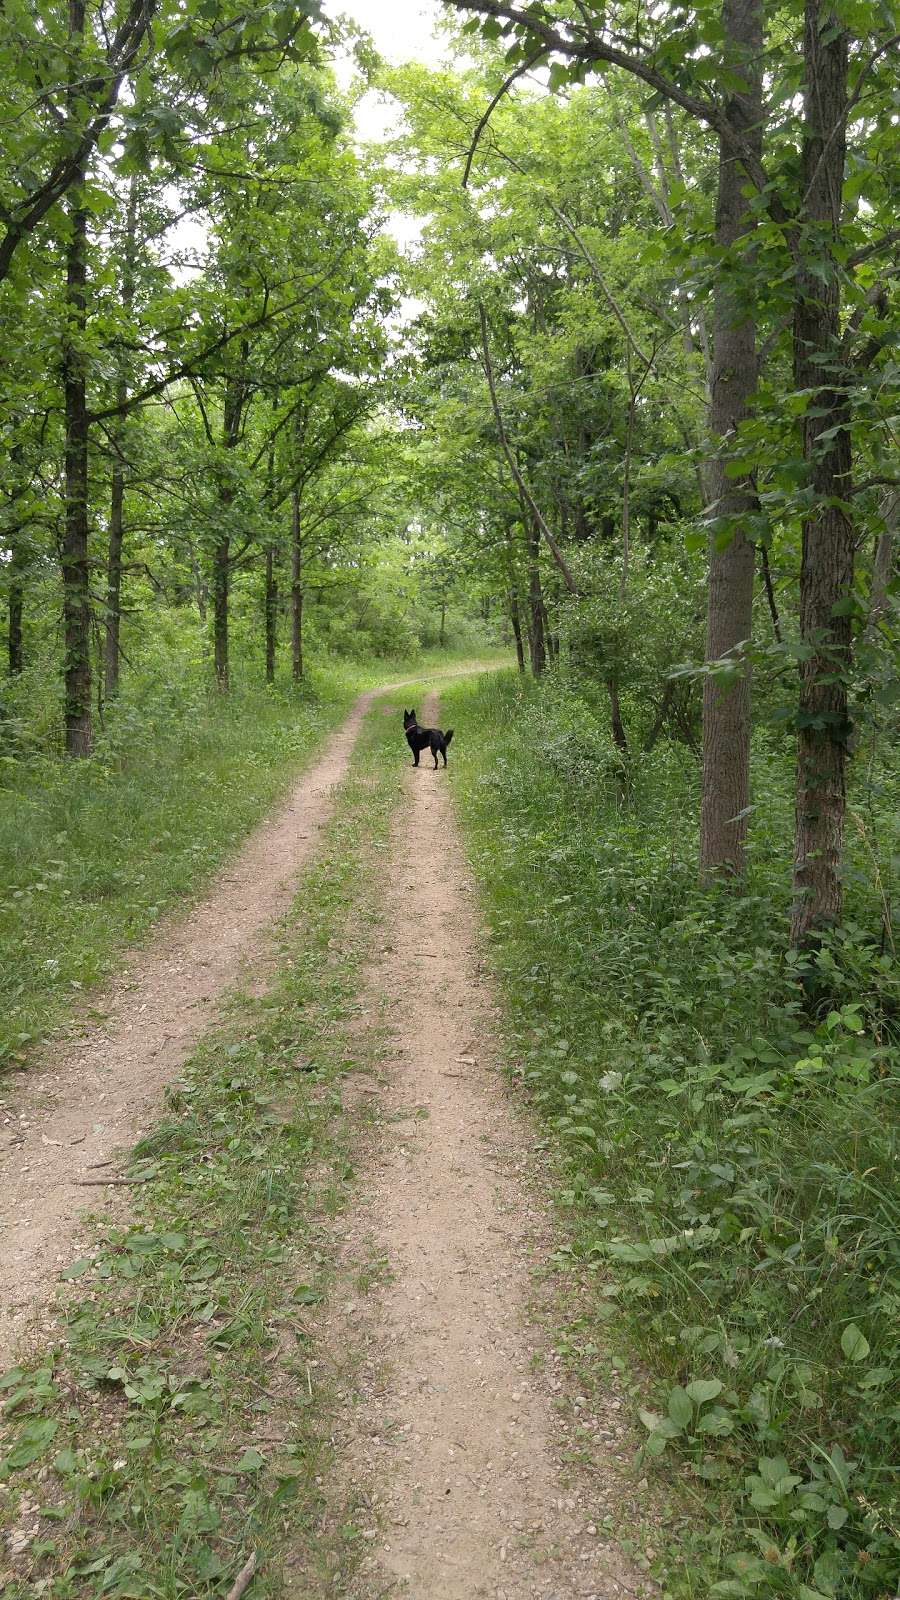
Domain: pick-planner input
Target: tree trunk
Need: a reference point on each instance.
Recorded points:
(826, 569)
(883, 563)
(17, 563)
(617, 726)
(16, 656)
(726, 709)
(111, 652)
(74, 553)
(296, 589)
(201, 589)
(271, 603)
(659, 721)
(516, 621)
(220, 577)
(233, 410)
(443, 623)
(536, 646)
(74, 545)
(114, 570)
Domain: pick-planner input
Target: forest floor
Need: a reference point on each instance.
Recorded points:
(471, 1471)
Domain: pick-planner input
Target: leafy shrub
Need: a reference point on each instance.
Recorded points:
(727, 1111)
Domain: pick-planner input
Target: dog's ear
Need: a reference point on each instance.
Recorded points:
(413, 714)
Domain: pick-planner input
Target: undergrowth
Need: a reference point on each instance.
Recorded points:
(181, 1419)
(727, 1116)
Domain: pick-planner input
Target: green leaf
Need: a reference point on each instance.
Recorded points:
(854, 1343)
(717, 1422)
(33, 1440)
(305, 1295)
(656, 1443)
(251, 1461)
(77, 1268)
(703, 1389)
(680, 1407)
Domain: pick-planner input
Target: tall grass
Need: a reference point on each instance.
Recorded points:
(92, 852)
(727, 1114)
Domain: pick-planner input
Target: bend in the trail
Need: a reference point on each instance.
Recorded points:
(452, 1441)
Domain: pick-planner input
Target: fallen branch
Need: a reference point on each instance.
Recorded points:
(103, 1183)
(243, 1578)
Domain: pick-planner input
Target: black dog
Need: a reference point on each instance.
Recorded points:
(425, 738)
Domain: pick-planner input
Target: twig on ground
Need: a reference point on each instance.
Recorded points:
(243, 1578)
(103, 1183)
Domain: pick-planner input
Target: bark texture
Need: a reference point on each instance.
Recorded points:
(235, 398)
(726, 710)
(516, 621)
(537, 647)
(111, 648)
(74, 544)
(220, 589)
(617, 726)
(271, 605)
(826, 571)
(296, 589)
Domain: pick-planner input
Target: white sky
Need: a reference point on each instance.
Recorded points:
(403, 30)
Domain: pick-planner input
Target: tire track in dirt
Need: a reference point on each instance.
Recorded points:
(84, 1099)
(449, 1449)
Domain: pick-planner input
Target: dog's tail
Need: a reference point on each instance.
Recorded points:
(448, 736)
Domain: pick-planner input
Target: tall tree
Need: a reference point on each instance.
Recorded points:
(826, 572)
(74, 548)
(733, 383)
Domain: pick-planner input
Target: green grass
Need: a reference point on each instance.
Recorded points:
(91, 853)
(727, 1118)
(183, 1418)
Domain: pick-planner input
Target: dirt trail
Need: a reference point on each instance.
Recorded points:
(85, 1099)
(452, 1440)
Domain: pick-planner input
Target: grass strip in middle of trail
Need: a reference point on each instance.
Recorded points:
(178, 1424)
